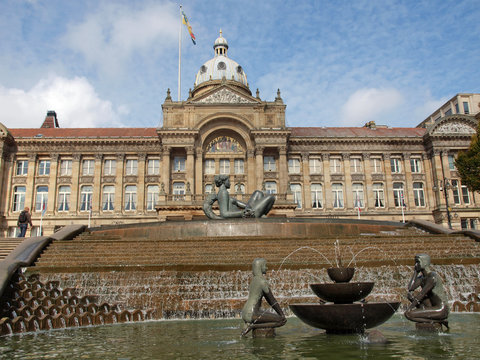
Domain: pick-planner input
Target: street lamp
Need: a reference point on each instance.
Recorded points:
(444, 185)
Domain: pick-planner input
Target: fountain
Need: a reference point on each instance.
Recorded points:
(342, 308)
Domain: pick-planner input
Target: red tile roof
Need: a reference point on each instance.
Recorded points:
(356, 132)
(84, 132)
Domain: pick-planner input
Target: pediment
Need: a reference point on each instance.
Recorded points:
(224, 95)
(455, 126)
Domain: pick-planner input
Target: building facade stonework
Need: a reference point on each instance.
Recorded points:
(102, 176)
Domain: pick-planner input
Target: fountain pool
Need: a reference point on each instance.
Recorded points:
(220, 339)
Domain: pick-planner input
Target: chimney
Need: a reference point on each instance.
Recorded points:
(50, 120)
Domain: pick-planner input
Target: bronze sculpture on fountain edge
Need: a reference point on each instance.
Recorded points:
(257, 206)
(429, 305)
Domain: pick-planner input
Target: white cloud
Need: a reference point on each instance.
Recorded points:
(369, 104)
(75, 101)
(115, 32)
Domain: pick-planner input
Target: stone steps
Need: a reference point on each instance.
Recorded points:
(7, 245)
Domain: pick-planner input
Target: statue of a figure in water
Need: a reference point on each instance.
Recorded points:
(253, 316)
(258, 205)
(429, 305)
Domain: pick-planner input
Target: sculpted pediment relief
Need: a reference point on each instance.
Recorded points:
(454, 127)
(224, 96)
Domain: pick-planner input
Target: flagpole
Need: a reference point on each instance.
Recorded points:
(41, 222)
(403, 207)
(179, 53)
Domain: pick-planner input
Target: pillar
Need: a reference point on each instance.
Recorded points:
(327, 181)
(259, 167)
(283, 170)
(119, 171)
(75, 183)
(142, 158)
(198, 171)
(52, 184)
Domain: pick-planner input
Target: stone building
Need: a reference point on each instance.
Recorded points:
(120, 175)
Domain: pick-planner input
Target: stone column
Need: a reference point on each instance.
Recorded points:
(8, 178)
(408, 180)
(52, 184)
(259, 167)
(142, 157)
(190, 167)
(75, 183)
(307, 196)
(199, 171)
(438, 177)
(283, 170)
(368, 196)
(30, 185)
(165, 173)
(348, 182)
(97, 184)
(429, 193)
(119, 171)
(327, 182)
(251, 184)
(388, 186)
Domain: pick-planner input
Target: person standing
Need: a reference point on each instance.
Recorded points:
(23, 220)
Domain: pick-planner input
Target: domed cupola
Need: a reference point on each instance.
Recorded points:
(220, 68)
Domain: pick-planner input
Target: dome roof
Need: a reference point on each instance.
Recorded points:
(221, 66)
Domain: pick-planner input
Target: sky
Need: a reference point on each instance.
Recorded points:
(109, 63)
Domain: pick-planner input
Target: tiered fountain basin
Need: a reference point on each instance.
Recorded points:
(341, 313)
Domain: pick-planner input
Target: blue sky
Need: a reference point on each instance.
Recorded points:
(337, 63)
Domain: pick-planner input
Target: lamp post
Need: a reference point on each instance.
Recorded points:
(444, 185)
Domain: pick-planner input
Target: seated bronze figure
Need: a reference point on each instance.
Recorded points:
(430, 304)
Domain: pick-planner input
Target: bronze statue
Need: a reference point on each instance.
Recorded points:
(253, 316)
(430, 304)
(258, 205)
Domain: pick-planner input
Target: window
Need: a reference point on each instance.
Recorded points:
(464, 223)
(224, 166)
(465, 194)
(19, 198)
(297, 194)
(456, 192)
(456, 109)
(88, 167)
(65, 167)
(239, 166)
(294, 166)
(398, 194)
(316, 195)
(269, 163)
(44, 167)
(448, 112)
(109, 167)
(378, 195)
(13, 231)
(152, 196)
(178, 191)
(376, 165)
(355, 165)
(86, 193)
(131, 167)
(451, 162)
(416, 165)
(466, 110)
(108, 198)
(22, 168)
(358, 198)
(335, 166)
(209, 189)
(337, 192)
(179, 163)
(64, 198)
(418, 194)
(315, 165)
(130, 197)
(153, 167)
(239, 188)
(41, 198)
(209, 166)
(270, 187)
(396, 165)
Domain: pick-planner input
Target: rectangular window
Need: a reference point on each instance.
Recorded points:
(270, 187)
(178, 191)
(86, 193)
(18, 198)
(466, 110)
(448, 112)
(109, 167)
(88, 167)
(224, 166)
(398, 194)
(315, 165)
(64, 198)
(456, 192)
(451, 162)
(358, 198)
(239, 166)
(65, 167)
(456, 109)
(108, 199)
(179, 164)
(209, 189)
(418, 194)
(337, 192)
(356, 165)
(130, 198)
(22, 167)
(153, 167)
(152, 196)
(297, 194)
(131, 167)
(396, 165)
(378, 195)
(416, 165)
(316, 195)
(376, 165)
(293, 166)
(269, 163)
(44, 167)
(465, 195)
(239, 188)
(41, 198)
(210, 166)
(335, 166)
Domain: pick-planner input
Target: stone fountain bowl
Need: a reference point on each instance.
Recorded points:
(342, 293)
(345, 318)
(341, 274)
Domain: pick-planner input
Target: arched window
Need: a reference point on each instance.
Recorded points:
(317, 196)
(86, 198)
(41, 198)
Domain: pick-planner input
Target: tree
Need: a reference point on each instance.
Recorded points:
(468, 163)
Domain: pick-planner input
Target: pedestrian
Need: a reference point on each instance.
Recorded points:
(23, 220)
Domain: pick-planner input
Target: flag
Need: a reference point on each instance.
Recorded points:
(44, 208)
(187, 24)
(403, 200)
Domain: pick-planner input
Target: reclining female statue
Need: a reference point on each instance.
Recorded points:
(258, 205)
(430, 305)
